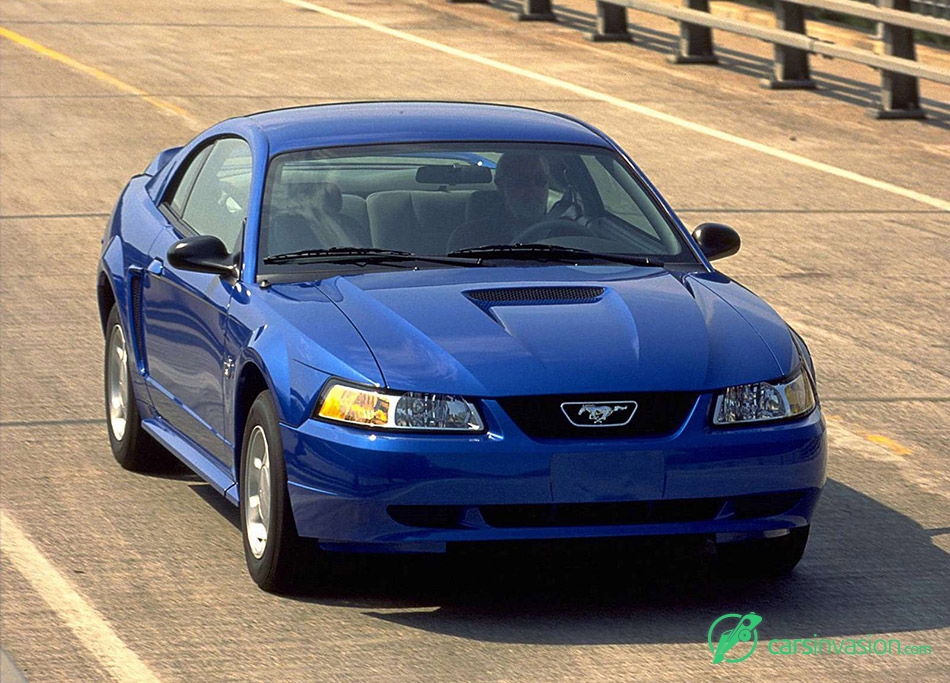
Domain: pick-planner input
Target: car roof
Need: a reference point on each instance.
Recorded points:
(367, 123)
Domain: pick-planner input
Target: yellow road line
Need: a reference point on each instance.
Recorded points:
(595, 95)
(889, 444)
(86, 623)
(94, 72)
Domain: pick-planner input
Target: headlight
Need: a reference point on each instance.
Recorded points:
(765, 401)
(412, 410)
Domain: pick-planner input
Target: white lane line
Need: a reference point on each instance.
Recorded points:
(630, 106)
(92, 630)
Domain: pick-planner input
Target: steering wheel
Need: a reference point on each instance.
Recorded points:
(551, 227)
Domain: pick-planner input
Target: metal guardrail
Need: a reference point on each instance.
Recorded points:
(900, 70)
(933, 8)
(882, 14)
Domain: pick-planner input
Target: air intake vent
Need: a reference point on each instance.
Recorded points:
(675, 511)
(135, 290)
(535, 295)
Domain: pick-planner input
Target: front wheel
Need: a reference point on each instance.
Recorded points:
(274, 552)
(765, 556)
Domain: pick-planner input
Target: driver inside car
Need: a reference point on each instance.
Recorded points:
(522, 181)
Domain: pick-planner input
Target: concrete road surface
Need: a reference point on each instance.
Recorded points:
(845, 224)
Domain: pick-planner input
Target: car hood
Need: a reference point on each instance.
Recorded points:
(558, 329)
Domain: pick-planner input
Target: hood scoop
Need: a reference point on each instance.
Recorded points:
(561, 324)
(527, 296)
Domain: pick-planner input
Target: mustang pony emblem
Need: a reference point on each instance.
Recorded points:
(597, 413)
(612, 414)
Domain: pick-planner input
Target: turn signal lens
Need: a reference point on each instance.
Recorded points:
(350, 404)
(411, 410)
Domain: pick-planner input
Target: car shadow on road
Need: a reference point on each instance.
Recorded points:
(216, 501)
(868, 569)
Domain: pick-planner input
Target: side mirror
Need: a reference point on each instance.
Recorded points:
(716, 240)
(202, 254)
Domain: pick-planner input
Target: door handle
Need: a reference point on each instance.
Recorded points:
(156, 267)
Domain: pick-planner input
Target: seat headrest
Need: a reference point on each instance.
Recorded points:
(324, 196)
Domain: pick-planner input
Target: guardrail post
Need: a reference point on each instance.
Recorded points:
(611, 23)
(536, 10)
(696, 44)
(790, 65)
(900, 94)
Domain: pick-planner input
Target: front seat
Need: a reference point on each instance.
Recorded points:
(417, 221)
(319, 205)
(481, 219)
(289, 232)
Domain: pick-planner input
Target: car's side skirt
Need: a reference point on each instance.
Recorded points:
(198, 459)
(177, 413)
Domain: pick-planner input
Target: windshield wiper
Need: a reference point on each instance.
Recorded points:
(533, 251)
(333, 251)
(363, 255)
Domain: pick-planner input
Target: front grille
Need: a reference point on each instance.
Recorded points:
(658, 413)
(596, 514)
(515, 296)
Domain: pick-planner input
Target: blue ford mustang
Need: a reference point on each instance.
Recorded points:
(397, 326)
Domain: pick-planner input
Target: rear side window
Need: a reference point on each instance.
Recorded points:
(216, 202)
(187, 181)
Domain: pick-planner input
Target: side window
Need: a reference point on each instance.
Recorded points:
(615, 198)
(187, 181)
(217, 203)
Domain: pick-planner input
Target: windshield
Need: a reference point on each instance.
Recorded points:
(451, 200)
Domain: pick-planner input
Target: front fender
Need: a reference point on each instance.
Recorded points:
(293, 384)
(116, 275)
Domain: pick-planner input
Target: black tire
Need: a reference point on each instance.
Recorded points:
(279, 564)
(768, 557)
(132, 446)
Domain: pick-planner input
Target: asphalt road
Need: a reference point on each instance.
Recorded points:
(845, 224)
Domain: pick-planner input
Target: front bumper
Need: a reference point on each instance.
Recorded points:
(416, 492)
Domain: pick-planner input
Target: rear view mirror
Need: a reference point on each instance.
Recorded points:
(455, 174)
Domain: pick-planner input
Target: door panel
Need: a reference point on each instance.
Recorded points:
(185, 314)
(185, 320)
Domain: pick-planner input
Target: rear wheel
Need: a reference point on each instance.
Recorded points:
(275, 554)
(765, 556)
(132, 447)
